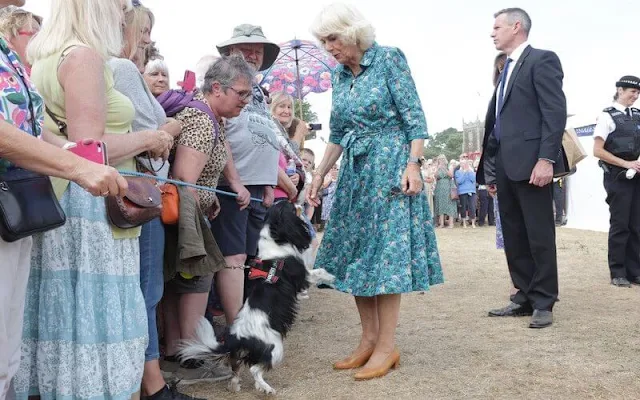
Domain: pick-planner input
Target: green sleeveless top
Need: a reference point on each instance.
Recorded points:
(120, 113)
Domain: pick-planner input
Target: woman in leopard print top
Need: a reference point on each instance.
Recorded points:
(199, 156)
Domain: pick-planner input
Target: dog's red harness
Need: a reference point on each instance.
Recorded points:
(267, 270)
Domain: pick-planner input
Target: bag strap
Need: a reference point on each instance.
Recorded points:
(173, 101)
(200, 105)
(62, 126)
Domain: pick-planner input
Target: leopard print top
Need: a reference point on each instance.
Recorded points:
(197, 133)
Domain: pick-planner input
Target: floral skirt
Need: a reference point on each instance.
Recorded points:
(85, 322)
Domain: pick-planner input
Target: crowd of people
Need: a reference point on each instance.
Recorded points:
(91, 303)
(80, 310)
(454, 195)
(87, 304)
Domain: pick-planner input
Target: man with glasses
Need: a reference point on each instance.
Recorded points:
(251, 171)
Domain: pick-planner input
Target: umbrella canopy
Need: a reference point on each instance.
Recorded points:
(301, 68)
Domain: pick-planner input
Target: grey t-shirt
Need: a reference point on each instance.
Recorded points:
(149, 113)
(254, 146)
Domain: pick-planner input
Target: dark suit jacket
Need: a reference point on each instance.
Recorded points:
(532, 120)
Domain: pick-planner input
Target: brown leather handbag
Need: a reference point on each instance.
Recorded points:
(141, 204)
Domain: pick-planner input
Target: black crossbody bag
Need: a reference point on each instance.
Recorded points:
(28, 204)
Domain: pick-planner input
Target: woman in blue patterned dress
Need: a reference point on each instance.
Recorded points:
(380, 240)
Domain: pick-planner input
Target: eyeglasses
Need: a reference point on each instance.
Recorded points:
(245, 95)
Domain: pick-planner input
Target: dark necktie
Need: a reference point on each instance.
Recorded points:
(628, 112)
(502, 87)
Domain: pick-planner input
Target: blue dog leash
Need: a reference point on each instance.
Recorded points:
(181, 183)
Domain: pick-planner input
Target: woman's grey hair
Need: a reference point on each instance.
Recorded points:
(347, 23)
(226, 71)
(516, 15)
(155, 66)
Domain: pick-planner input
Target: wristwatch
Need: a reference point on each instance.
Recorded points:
(415, 160)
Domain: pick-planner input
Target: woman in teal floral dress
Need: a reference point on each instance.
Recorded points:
(380, 241)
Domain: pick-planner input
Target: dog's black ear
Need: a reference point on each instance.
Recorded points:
(286, 227)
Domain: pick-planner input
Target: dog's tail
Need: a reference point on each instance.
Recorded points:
(203, 346)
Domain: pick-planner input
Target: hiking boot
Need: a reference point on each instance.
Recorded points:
(205, 373)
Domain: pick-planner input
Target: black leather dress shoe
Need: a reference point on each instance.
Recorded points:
(636, 280)
(621, 282)
(541, 319)
(512, 310)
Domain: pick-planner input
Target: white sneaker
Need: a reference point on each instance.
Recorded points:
(304, 294)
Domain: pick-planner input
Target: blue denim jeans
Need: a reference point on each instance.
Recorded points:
(152, 279)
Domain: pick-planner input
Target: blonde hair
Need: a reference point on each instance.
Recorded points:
(13, 18)
(440, 159)
(96, 24)
(346, 22)
(278, 99)
(134, 21)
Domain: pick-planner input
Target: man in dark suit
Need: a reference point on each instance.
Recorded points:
(521, 151)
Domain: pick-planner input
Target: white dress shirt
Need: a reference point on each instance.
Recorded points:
(514, 56)
(605, 124)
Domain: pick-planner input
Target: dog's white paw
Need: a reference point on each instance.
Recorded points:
(234, 385)
(265, 388)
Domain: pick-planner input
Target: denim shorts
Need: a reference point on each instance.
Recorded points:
(237, 231)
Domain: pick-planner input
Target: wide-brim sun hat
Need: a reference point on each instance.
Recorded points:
(247, 33)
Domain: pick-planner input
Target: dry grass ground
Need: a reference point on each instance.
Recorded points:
(452, 350)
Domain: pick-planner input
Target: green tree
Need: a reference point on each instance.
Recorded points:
(307, 113)
(447, 142)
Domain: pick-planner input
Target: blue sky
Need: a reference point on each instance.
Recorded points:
(447, 43)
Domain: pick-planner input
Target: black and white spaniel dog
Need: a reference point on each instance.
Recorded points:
(256, 336)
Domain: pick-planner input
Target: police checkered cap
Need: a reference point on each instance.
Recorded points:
(629, 81)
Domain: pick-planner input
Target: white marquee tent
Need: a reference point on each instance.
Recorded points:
(586, 207)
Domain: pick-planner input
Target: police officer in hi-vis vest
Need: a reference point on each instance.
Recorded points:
(617, 145)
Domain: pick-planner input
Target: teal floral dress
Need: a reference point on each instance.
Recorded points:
(377, 241)
(443, 205)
